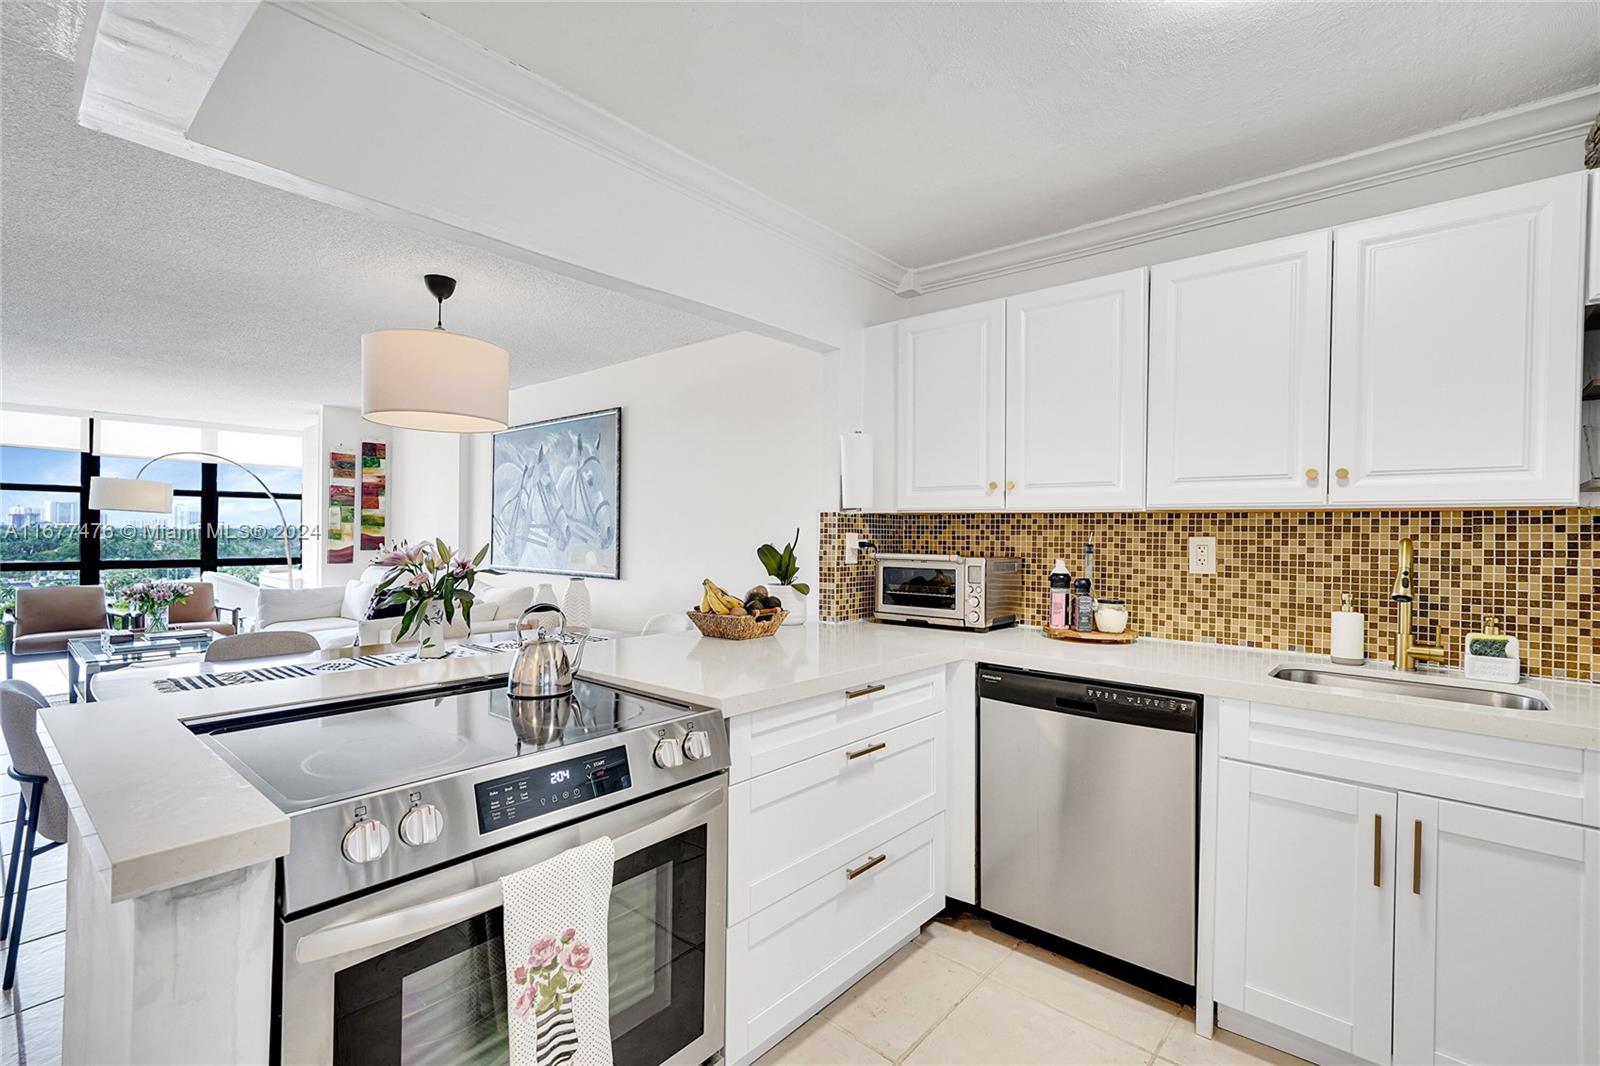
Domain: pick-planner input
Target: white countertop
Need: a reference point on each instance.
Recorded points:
(166, 811)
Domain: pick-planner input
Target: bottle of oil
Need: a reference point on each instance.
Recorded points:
(1058, 606)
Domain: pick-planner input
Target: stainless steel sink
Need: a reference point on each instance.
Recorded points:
(1406, 686)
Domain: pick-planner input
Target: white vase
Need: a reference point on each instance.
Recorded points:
(793, 601)
(577, 606)
(431, 632)
(546, 594)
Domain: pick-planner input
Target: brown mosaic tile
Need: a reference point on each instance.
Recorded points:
(1280, 573)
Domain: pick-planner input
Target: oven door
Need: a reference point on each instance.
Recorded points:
(415, 973)
(918, 587)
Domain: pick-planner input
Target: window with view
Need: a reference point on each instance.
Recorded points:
(221, 518)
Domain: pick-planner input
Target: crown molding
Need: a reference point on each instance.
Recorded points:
(1529, 126)
(411, 38)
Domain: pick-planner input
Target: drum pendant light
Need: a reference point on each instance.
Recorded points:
(433, 379)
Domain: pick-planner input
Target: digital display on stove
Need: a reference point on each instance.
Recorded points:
(509, 800)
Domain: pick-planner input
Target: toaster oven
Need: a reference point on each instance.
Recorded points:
(948, 590)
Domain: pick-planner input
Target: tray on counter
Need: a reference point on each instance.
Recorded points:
(1127, 636)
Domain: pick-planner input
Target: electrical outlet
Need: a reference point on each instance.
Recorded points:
(853, 544)
(1202, 555)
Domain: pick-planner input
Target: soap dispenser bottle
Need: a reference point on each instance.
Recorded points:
(1349, 635)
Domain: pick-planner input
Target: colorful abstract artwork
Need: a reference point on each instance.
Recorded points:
(374, 494)
(558, 496)
(341, 525)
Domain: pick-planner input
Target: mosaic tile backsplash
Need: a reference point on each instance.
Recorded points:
(1280, 573)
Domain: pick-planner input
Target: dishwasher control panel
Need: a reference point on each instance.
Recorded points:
(1152, 701)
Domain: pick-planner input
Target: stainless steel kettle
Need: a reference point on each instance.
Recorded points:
(542, 669)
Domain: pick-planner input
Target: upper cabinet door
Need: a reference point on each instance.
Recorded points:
(1239, 376)
(950, 433)
(1497, 949)
(1457, 336)
(1075, 384)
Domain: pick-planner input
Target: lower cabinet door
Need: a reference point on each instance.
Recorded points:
(1305, 905)
(790, 959)
(1497, 937)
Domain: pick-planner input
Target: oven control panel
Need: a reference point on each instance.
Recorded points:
(509, 800)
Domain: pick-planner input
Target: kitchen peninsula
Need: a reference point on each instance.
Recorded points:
(173, 851)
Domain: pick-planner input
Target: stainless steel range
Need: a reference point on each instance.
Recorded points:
(404, 814)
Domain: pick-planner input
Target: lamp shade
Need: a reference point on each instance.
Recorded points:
(434, 379)
(130, 494)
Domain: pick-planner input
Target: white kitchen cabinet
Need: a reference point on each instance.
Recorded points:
(1457, 338)
(1238, 394)
(1497, 953)
(1305, 905)
(950, 411)
(1075, 393)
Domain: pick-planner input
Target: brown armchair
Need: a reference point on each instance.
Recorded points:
(45, 619)
(200, 611)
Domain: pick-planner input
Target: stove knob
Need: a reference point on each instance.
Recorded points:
(366, 841)
(421, 825)
(696, 745)
(668, 754)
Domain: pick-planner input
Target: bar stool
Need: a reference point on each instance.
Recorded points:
(41, 806)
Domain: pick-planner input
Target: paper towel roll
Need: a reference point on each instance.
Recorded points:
(1349, 638)
(855, 471)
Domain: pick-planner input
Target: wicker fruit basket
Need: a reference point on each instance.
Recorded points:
(739, 626)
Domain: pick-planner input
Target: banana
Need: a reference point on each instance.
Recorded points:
(716, 599)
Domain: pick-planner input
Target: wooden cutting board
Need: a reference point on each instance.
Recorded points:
(1127, 636)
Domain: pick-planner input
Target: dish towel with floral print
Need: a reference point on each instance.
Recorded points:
(557, 991)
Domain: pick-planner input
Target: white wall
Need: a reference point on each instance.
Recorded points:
(430, 476)
(719, 455)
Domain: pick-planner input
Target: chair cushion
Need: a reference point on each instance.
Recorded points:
(294, 605)
(50, 643)
(72, 607)
(330, 632)
(508, 602)
(201, 606)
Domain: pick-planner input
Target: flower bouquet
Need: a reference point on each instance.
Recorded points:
(153, 597)
(432, 582)
(554, 974)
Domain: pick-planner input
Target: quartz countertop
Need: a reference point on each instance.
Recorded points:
(166, 811)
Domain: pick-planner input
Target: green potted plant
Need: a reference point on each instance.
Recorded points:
(783, 568)
(433, 583)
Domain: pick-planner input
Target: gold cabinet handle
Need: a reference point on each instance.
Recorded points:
(1311, 474)
(864, 690)
(1416, 857)
(1343, 473)
(851, 875)
(868, 750)
(993, 485)
(1011, 486)
(1377, 851)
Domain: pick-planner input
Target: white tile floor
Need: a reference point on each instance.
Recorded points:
(964, 993)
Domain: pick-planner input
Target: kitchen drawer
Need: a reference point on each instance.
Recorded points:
(1546, 780)
(789, 960)
(762, 741)
(793, 825)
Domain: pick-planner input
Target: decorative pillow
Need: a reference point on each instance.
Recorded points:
(361, 601)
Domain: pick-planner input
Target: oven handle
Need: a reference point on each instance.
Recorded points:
(424, 918)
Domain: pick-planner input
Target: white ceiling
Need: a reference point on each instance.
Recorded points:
(930, 131)
(138, 282)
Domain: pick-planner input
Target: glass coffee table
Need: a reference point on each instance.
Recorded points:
(88, 656)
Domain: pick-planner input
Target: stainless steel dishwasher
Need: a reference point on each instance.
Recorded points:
(1087, 827)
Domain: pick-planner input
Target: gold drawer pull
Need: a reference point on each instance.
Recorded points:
(868, 750)
(1377, 851)
(1416, 857)
(851, 875)
(864, 690)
